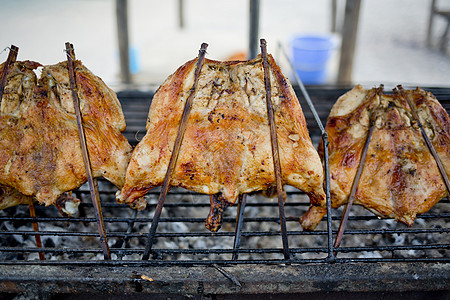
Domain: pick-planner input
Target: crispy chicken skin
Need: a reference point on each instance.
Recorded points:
(226, 148)
(400, 178)
(40, 153)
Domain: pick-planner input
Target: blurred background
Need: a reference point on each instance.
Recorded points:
(374, 42)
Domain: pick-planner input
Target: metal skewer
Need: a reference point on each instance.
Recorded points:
(239, 225)
(13, 51)
(37, 237)
(93, 187)
(351, 198)
(175, 152)
(325, 152)
(326, 166)
(275, 154)
(402, 93)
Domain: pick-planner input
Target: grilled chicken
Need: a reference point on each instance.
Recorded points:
(11, 197)
(400, 178)
(226, 149)
(40, 153)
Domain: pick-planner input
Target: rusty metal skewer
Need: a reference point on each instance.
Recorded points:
(93, 187)
(37, 237)
(425, 136)
(348, 206)
(239, 225)
(275, 154)
(11, 59)
(175, 152)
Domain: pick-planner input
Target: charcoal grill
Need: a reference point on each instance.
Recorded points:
(376, 255)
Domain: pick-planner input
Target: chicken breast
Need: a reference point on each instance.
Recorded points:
(400, 178)
(226, 148)
(40, 153)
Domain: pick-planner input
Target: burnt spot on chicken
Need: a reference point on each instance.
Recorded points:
(215, 217)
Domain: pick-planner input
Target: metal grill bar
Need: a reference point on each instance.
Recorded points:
(294, 251)
(231, 251)
(201, 220)
(247, 233)
(188, 263)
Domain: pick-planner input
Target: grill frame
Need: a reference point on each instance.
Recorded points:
(434, 271)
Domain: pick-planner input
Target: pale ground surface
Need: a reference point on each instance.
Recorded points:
(391, 46)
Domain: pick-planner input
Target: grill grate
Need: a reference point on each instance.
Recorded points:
(182, 239)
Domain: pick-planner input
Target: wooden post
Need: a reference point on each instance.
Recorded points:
(180, 14)
(122, 36)
(349, 30)
(333, 15)
(430, 22)
(254, 29)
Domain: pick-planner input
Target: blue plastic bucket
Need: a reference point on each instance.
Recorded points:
(311, 54)
(134, 60)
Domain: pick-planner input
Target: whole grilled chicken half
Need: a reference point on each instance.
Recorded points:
(400, 177)
(40, 152)
(226, 150)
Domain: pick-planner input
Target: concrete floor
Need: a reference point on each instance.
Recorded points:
(391, 47)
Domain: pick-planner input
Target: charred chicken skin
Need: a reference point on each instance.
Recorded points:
(226, 150)
(40, 153)
(400, 177)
